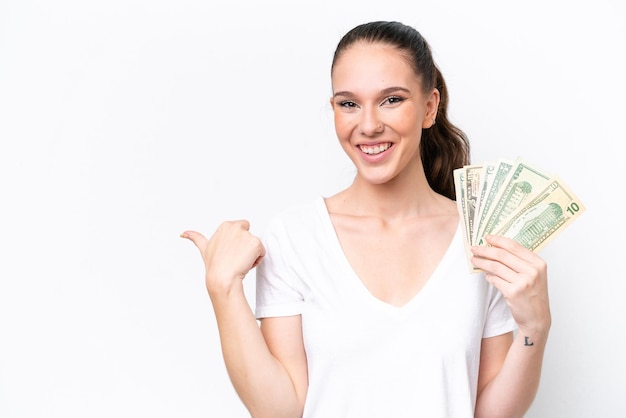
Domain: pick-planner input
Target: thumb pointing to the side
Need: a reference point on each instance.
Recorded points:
(197, 238)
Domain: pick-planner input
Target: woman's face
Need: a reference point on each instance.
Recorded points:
(380, 110)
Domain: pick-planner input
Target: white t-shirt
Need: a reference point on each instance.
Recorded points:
(367, 358)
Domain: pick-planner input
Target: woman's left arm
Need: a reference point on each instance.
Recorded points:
(509, 373)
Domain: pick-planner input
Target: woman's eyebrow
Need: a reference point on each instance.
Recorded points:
(383, 92)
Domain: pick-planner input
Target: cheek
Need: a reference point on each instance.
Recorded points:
(406, 123)
(342, 126)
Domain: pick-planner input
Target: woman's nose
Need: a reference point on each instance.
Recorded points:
(370, 122)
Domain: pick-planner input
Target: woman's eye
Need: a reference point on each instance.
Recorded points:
(347, 103)
(393, 100)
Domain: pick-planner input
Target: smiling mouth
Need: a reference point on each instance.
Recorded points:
(375, 149)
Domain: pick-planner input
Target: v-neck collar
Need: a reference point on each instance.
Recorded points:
(357, 284)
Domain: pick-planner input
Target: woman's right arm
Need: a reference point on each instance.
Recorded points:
(267, 364)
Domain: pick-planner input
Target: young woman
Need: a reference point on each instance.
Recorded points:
(365, 302)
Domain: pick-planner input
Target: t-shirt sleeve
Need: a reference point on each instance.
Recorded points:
(499, 319)
(278, 287)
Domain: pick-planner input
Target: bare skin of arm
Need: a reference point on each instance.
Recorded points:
(269, 377)
(510, 369)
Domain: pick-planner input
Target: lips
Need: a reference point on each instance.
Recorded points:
(375, 149)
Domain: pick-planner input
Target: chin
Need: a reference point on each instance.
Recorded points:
(375, 179)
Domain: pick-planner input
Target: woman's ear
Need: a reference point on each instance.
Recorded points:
(432, 104)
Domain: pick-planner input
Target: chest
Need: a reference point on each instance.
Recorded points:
(394, 264)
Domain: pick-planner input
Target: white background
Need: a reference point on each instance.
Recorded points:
(125, 122)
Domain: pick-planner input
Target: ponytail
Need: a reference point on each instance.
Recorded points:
(444, 147)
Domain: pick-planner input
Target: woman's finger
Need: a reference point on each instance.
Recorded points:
(507, 252)
(512, 247)
(196, 237)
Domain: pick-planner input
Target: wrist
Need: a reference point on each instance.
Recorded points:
(538, 326)
(219, 288)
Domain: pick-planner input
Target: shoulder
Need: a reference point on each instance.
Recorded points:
(296, 218)
(295, 233)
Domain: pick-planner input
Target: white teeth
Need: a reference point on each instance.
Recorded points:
(375, 149)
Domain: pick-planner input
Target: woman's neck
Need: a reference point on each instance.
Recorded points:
(395, 199)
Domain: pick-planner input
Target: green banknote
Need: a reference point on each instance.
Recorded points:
(512, 198)
(521, 183)
(487, 176)
(542, 218)
(461, 201)
(473, 175)
(501, 172)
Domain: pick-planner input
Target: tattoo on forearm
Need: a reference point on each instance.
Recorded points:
(527, 342)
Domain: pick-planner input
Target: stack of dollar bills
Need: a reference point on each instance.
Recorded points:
(512, 198)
